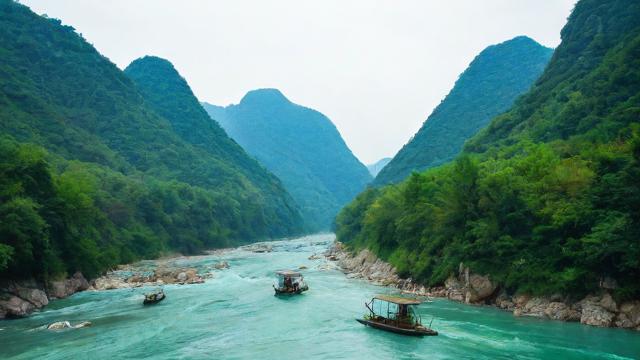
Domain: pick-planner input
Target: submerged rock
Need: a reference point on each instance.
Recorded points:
(59, 325)
(221, 265)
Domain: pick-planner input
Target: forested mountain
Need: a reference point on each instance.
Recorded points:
(546, 198)
(167, 93)
(95, 172)
(301, 146)
(375, 168)
(487, 88)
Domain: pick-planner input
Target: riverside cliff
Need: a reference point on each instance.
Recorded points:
(21, 298)
(468, 287)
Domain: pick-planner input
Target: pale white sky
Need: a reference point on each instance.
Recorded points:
(375, 68)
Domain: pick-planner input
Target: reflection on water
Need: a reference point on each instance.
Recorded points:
(235, 316)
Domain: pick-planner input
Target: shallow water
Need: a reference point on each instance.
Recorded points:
(235, 316)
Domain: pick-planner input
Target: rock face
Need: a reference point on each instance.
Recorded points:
(19, 299)
(63, 288)
(364, 265)
(14, 306)
(596, 310)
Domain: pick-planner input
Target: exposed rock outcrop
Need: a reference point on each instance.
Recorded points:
(468, 287)
(63, 288)
(12, 306)
(60, 325)
(132, 277)
(364, 265)
(19, 299)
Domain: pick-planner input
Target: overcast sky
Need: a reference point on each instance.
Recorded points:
(375, 68)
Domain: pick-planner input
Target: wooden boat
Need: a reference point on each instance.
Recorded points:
(153, 298)
(399, 317)
(290, 283)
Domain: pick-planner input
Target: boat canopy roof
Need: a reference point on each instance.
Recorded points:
(289, 273)
(397, 300)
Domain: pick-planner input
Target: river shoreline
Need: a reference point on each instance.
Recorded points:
(474, 289)
(20, 299)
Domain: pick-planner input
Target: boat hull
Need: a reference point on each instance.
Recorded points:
(151, 302)
(283, 292)
(398, 330)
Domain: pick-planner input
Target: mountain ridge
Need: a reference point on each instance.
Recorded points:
(487, 87)
(301, 146)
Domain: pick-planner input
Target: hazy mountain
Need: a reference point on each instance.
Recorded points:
(488, 87)
(301, 146)
(375, 168)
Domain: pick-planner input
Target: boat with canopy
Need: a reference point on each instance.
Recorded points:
(396, 314)
(154, 297)
(289, 283)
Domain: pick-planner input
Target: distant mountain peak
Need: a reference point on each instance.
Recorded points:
(301, 146)
(264, 96)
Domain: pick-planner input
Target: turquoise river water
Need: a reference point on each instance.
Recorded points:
(235, 316)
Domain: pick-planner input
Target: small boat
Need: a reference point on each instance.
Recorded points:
(289, 283)
(154, 297)
(395, 314)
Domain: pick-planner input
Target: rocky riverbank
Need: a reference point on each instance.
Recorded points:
(465, 286)
(156, 273)
(19, 299)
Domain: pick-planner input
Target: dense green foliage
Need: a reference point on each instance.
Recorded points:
(547, 198)
(111, 176)
(301, 146)
(487, 88)
(169, 95)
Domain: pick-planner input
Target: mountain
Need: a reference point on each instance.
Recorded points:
(98, 170)
(545, 199)
(169, 95)
(375, 168)
(301, 146)
(487, 88)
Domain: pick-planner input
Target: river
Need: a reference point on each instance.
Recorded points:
(235, 316)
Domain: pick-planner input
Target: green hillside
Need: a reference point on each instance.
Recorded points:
(301, 146)
(546, 198)
(167, 93)
(488, 87)
(94, 175)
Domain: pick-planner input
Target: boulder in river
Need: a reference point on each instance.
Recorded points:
(221, 265)
(60, 325)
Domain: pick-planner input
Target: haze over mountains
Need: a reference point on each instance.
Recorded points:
(301, 146)
(488, 87)
(375, 168)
